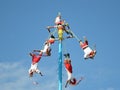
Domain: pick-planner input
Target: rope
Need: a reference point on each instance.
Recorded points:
(52, 33)
(75, 36)
(72, 32)
(94, 47)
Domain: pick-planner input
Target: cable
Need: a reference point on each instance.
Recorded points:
(75, 36)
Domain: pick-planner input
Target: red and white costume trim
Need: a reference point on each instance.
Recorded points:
(34, 65)
(87, 50)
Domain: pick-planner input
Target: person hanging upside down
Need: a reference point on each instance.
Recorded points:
(34, 66)
(88, 52)
(68, 66)
(47, 49)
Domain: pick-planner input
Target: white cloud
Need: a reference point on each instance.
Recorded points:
(110, 88)
(15, 77)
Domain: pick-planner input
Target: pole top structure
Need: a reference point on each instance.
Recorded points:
(59, 14)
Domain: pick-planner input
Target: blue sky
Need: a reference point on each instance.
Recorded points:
(23, 28)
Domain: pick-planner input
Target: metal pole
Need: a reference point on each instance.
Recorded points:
(60, 65)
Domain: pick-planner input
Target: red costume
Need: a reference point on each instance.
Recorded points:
(51, 40)
(36, 58)
(84, 44)
(68, 66)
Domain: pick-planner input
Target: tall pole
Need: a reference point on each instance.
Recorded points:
(60, 65)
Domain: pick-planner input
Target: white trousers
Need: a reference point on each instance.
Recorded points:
(69, 75)
(34, 68)
(87, 51)
(57, 20)
(45, 48)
